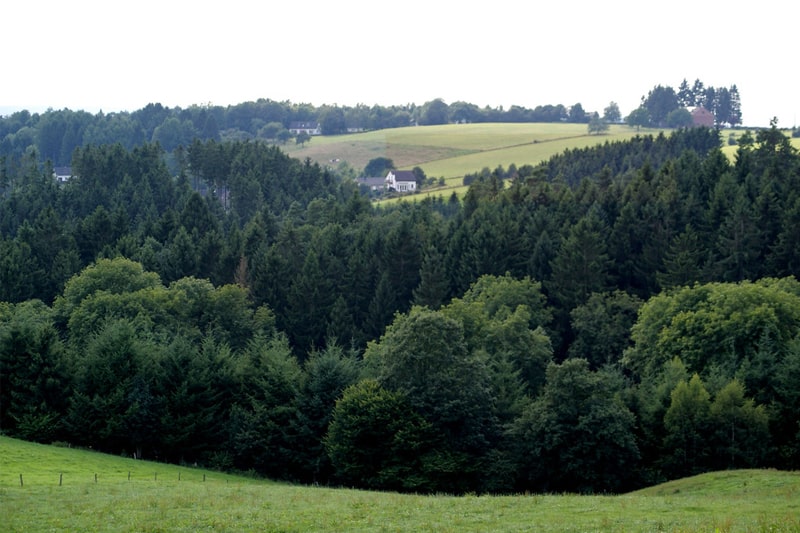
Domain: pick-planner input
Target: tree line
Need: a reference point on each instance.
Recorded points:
(55, 134)
(614, 317)
(665, 107)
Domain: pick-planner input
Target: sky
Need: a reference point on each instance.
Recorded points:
(122, 55)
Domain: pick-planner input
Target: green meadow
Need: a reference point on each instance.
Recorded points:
(453, 150)
(129, 495)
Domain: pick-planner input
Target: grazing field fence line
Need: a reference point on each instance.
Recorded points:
(61, 479)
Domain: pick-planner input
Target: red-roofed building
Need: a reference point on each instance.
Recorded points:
(702, 117)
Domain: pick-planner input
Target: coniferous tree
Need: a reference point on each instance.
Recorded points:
(261, 426)
(381, 308)
(433, 287)
(738, 243)
(109, 380)
(784, 258)
(18, 272)
(180, 258)
(684, 261)
(328, 373)
(341, 326)
(580, 267)
(33, 376)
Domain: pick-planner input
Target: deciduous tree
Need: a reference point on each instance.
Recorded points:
(577, 435)
(687, 424)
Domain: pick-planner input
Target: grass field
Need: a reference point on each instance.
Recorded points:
(155, 499)
(453, 150)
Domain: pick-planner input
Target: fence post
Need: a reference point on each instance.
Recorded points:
(60, 478)
(95, 478)
(129, 475)
(20, 480)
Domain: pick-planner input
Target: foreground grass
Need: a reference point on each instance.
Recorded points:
(725, 501)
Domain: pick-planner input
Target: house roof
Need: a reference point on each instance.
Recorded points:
(403, 175)
(303, 125)
(702, 116)
(372, 182)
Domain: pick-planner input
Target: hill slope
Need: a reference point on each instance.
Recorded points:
(453, 150)
(156, 499)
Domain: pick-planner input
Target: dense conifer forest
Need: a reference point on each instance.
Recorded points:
(614, 317)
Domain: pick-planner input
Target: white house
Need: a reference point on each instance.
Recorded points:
(401, 181)
(62, 174)
(311, 128)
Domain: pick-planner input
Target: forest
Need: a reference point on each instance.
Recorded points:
(614, 317)
(55, 134)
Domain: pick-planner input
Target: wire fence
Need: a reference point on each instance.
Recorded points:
(60, 478)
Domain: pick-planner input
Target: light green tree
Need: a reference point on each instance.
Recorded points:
(742, 437)
(687, 423)
(115, 276)
(719, 325)
(597, 125)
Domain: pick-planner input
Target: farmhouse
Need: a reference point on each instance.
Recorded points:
(373, 184)
(702, 117)
(401, 181)
(311, 128)
(62, 174)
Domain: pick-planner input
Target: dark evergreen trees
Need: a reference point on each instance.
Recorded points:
(153, 349)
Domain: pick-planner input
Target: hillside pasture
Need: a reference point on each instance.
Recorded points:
(453, 150)
(157, 499)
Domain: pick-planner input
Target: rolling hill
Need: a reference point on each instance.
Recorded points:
(78, 490)
(453, 150)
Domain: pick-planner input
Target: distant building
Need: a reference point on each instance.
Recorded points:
(401, 181)
(702, 117)
(62, 174)
(311, 128)
(373, 184)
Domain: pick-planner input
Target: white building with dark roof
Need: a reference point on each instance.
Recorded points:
(401, 181)
(311, 128)
(62, 174)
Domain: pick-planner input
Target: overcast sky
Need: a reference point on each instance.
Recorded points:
(122, 55)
